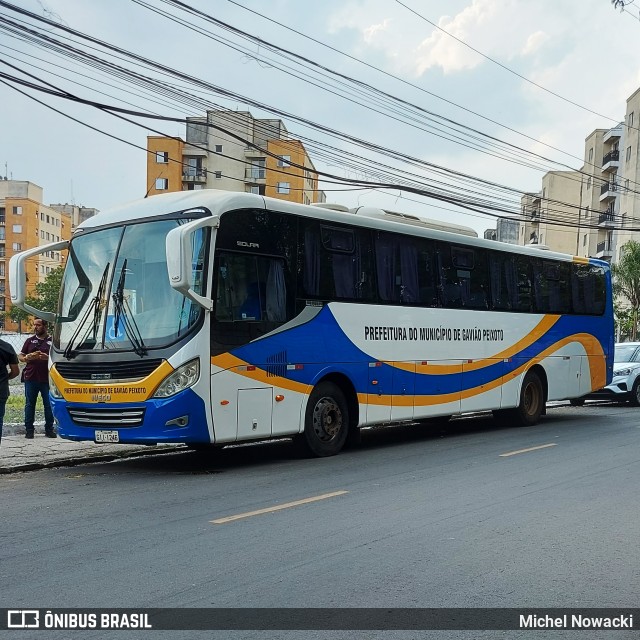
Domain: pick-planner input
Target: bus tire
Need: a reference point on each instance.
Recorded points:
(326, 423)
(531, 406)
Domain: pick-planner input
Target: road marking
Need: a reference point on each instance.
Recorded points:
(515, 453)
(286, 505)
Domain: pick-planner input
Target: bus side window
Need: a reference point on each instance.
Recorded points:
(472, 271)
(504, 282)
(587, 289)
(450, 286)
(427, 281)
(524, 298)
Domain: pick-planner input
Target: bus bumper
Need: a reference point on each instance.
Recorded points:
(179, 419)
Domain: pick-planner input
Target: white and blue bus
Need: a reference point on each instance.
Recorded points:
(211, 318)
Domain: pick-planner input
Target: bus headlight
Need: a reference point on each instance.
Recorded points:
(182, 378)
(53, 389)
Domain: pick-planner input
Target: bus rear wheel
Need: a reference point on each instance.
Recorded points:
(531, 405)
(530, 408)
(326, 422)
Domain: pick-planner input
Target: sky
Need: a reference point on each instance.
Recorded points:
(538, 75)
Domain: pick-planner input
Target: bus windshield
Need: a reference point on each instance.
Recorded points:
(116, 294)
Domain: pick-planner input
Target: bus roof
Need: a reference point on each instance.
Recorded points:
(218, 202)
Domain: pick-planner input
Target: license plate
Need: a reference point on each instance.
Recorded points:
(107, 436)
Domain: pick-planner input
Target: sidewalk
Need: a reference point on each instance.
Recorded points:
(19, 454)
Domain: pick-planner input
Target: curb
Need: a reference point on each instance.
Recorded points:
(98, 457)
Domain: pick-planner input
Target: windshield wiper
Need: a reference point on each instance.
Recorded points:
(96, 305)
(121, 310)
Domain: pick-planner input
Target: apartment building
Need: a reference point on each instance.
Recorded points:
(507, 230)
(234, 151)
(550, 218)
(78, 214)
(604, 213)
(628, 180)
(25, 223)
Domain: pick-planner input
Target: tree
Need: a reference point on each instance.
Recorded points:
(626, 281)
(18, 315)
(46, 293)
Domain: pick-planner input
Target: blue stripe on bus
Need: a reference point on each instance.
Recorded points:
(311, 348)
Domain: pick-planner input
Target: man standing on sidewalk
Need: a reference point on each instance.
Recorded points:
(8, 358)
(35, 352)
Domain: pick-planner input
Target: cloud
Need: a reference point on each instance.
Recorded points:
(534, 42)
(370, 32)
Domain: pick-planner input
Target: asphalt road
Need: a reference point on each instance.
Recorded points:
(472, 515)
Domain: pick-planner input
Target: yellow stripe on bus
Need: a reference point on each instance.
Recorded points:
(111, 391)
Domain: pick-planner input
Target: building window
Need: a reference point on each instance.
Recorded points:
(631, 119)
(162, 183)
(17, 246)
(218, 148)
(48, 220)
(589, 182)
(48, 235)
(42, 216)
(17, 211)
(584, 240)
(284, 161)
(217, 174)
(283, 187)
(162, 157)
(626, 184)
(628, 157)
(591, 154)
(2, 230)
(57, 222)
(41, 233)
(17, 228)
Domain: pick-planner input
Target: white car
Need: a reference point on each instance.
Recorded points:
(625, 384)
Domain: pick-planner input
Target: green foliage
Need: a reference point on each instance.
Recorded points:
(46, 293)
(626, 286)
(19, 316)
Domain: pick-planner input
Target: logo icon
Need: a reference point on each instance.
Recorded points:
(23, 619)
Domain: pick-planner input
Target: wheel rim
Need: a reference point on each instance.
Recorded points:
(327, 419)
(531, 399)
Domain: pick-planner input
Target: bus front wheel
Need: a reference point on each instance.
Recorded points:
(326, 422)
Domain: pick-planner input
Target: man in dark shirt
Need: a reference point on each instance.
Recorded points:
(35, 352)
(8, 358)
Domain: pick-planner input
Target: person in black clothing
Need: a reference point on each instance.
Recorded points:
(8, 358)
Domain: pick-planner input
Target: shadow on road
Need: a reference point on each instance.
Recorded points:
(215, 461)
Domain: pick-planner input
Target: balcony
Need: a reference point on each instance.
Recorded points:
(610, 162)
(613, 134)
(192, 174)
(604, 250)
(606, 218)
(254, 174)
(608, 191)
(535, 215)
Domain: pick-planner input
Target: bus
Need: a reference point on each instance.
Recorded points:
(212, 318)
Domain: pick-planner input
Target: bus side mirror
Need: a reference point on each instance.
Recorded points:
(18, 278)
(180, 258)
